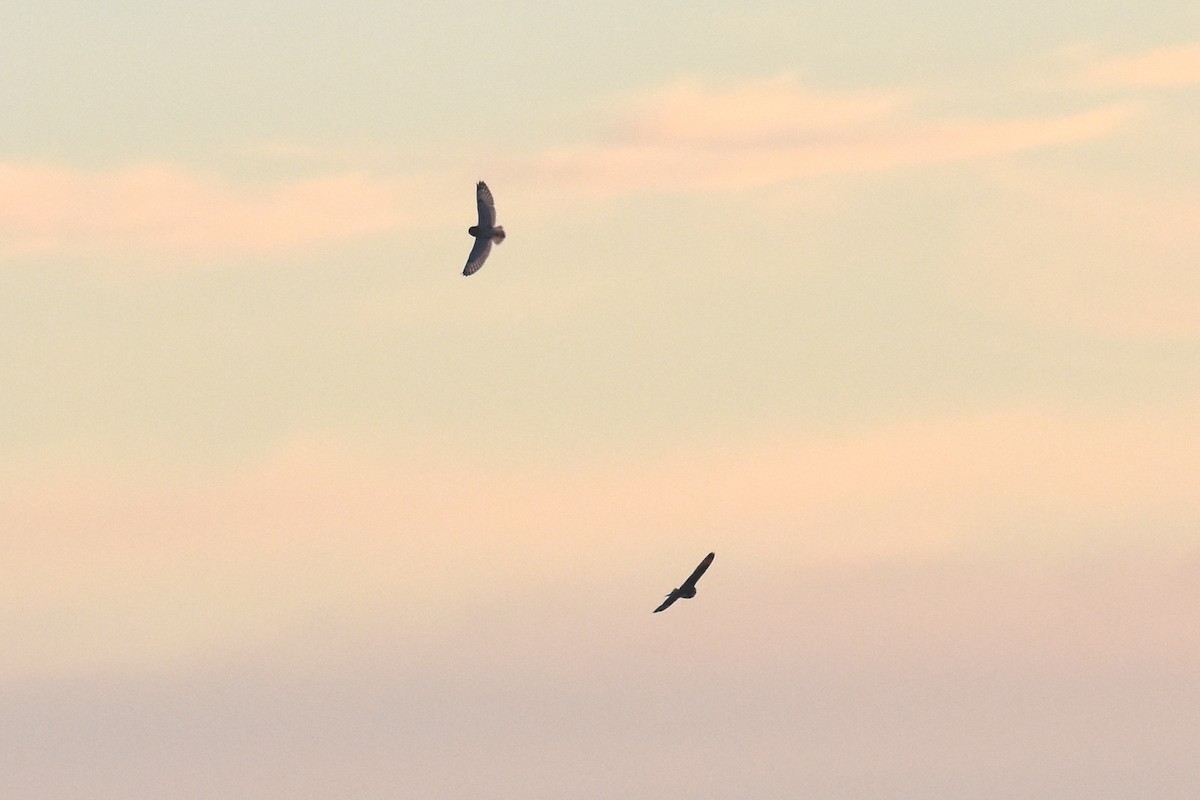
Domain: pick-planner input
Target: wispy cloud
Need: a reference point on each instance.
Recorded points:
(148, 211)
(686, 136)
(703, 138)
(128, 572)
(1087, 68)
(1161, 67)
(763, 111)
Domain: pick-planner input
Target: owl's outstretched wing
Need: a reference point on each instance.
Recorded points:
(479, 254)
(487, 206)
(671, 598)
(695, 576)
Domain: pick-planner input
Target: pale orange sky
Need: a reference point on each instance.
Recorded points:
(896, 314)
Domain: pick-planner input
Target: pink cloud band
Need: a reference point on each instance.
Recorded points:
(156, 210)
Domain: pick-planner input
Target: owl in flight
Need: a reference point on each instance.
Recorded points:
(486, 232)
(688, 588)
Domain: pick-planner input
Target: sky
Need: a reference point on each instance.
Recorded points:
(896, 310)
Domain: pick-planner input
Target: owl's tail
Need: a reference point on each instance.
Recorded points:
(498, 234)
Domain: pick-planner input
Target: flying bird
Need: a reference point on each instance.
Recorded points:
(688, 589)
(486, 232)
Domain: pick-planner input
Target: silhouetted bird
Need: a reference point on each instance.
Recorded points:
(486, 232)
(688, 589)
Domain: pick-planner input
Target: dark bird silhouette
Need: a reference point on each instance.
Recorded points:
(486, 232)
(688, 588)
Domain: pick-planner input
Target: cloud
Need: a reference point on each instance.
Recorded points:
(1158, 68)
(144, 572)
(1086, 68)
(938, 485)
(146, 212)
(766, 111)
(690, 137)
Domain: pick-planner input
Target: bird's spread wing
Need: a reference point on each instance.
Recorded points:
(479, 254)
(487, 206)
(671, 598)
(695, 576)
